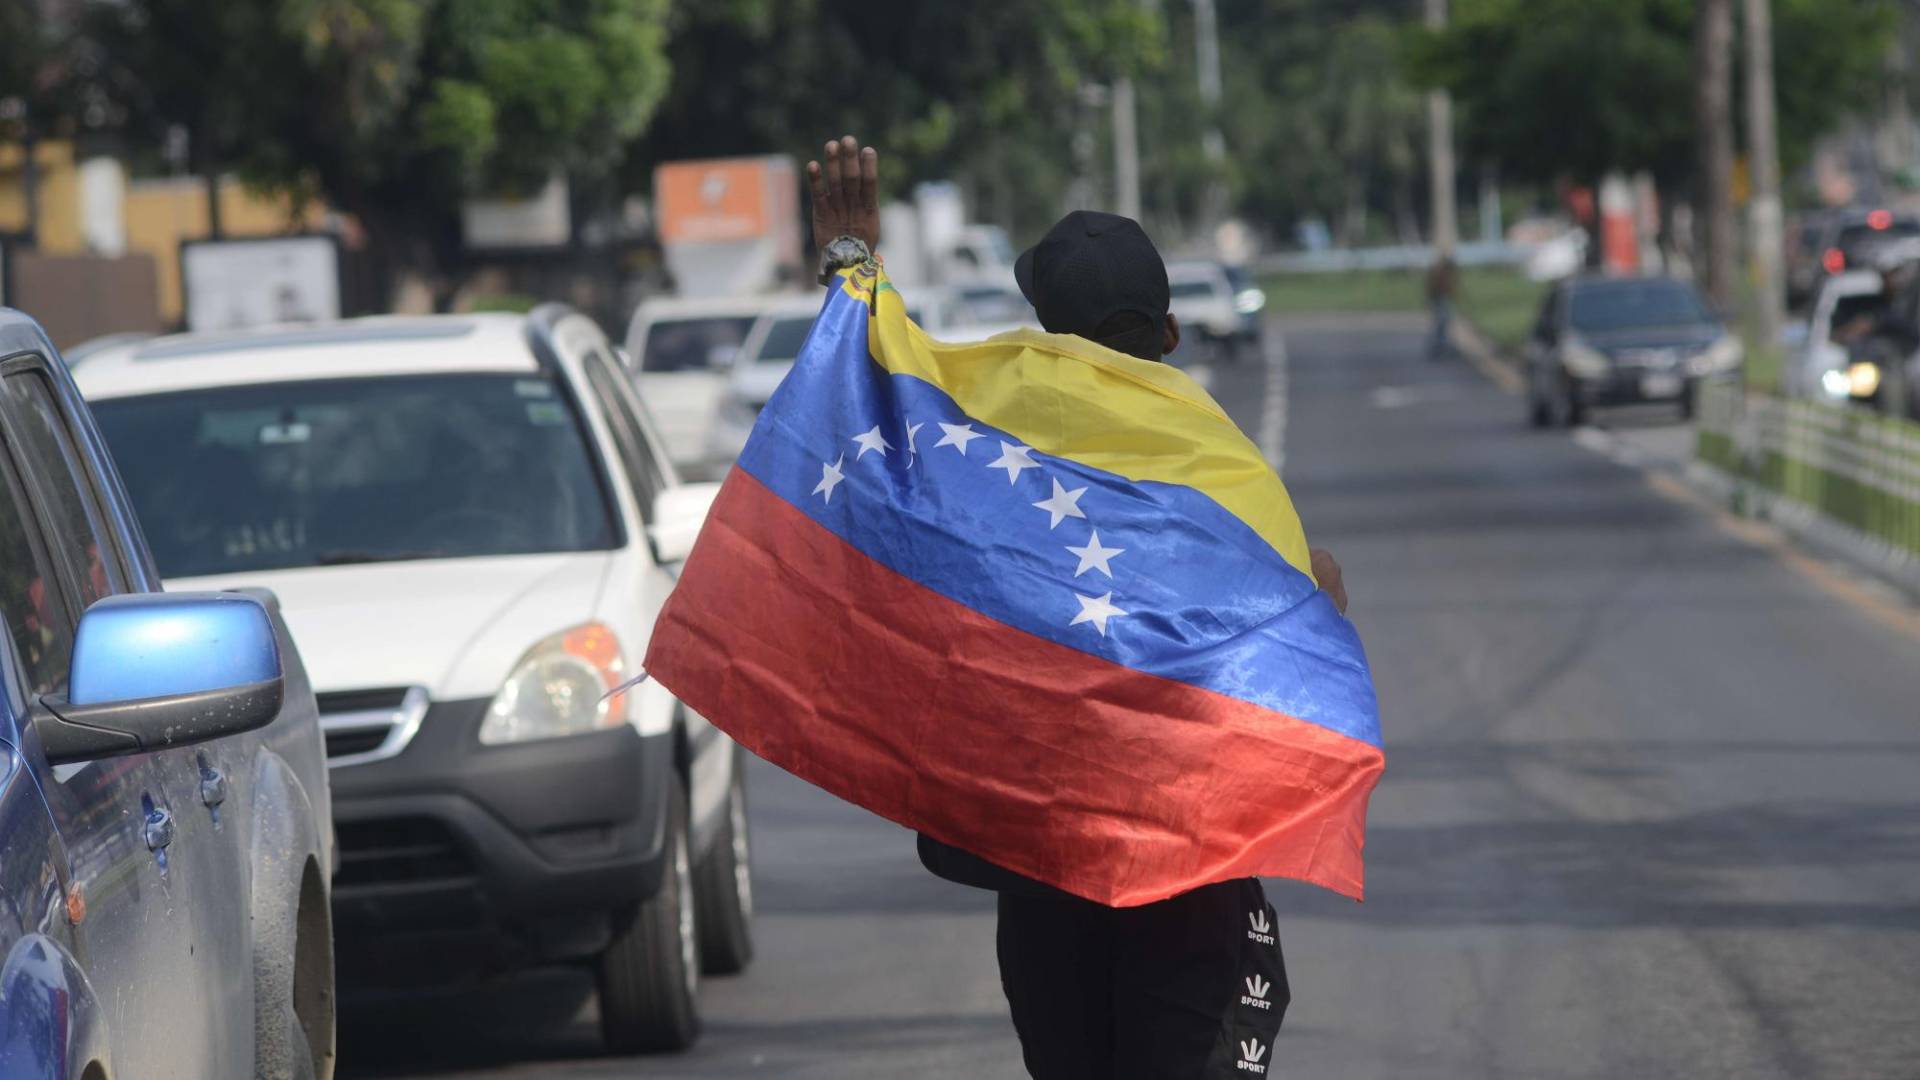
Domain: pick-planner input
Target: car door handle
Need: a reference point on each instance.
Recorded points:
(158, 829)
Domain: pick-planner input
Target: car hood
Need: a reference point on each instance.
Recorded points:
(1655, 337)
(454, 626)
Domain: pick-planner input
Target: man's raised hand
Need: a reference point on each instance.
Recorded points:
(846, 193)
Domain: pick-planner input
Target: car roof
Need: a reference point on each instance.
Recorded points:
(372, 346)
(1193, 268)
(1606, 281)
(659, 308)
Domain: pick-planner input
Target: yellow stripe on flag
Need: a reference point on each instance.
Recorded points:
(1074, 399)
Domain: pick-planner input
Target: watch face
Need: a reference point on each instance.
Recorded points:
(846, 251)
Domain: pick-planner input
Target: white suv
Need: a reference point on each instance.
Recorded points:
(471, 526)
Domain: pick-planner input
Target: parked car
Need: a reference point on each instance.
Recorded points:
(1846, 305)
(1207, 302)
(680, 351)
(472, 525)
(163, 790)
(1839, 240)
(1614, 341)
(775, 341)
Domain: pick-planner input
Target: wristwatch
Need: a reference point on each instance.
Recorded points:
(842, 253)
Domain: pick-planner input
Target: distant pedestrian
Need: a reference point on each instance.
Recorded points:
(1442, 281)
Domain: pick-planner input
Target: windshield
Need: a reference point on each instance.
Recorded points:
(784, 339)
(689, 344)
(357, 470)
(1622, 305)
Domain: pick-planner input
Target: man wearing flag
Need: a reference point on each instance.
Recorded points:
(1075, 638)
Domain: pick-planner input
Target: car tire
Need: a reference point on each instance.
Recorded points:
(1539, 410)
(650, 973)
(1575, 410)
(1687, 398)
(723, 888)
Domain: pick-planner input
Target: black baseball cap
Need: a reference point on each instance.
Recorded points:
(1089, 267)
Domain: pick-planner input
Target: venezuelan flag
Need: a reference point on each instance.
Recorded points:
(1039, 600)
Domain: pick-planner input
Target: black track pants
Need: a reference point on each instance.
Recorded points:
(1191, 988)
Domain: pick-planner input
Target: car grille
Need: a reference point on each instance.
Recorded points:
(1648, 359)
(369, 725)
(398, 851)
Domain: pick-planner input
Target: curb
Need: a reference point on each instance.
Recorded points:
(1812, 530)
(1481, 352)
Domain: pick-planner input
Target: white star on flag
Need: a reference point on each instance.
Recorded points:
(1096, 610)
(1013, 458)
(957, 436)
(871, 440)
(1095, 557)
(1062, 505)
(830, 478)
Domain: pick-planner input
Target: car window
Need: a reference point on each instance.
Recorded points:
(79, 533)
(380, 469)
(690, 344)
(785, 337)
(611, 392)
(1620, 305)
(31, 601)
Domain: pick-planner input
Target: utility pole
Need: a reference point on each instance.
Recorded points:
(1126, 150)
(1206, 39)
(1713, 117)
(1446, 232)
(1763, 157)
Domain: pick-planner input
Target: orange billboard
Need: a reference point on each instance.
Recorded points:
(697, 202)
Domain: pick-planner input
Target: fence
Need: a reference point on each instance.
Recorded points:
(1849, 465)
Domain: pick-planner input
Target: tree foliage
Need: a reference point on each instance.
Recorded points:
(1555, 89)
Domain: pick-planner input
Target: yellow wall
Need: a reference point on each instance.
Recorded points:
(157, 214)
(59, 196)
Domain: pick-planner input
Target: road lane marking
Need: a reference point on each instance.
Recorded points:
(1470, 343)
(1273, 405)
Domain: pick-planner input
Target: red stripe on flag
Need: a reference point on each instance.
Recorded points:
(1112, 784)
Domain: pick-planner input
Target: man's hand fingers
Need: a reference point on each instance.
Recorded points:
(836, 184)
(870, 178)
(850, 158)
(817, 187)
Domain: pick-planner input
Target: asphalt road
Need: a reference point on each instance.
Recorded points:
(1652, 803)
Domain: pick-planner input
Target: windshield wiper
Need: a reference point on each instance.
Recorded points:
(349, 556)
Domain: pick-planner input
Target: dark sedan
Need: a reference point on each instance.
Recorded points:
(1618, 341)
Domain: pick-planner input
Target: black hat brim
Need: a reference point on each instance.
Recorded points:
(1023, 275)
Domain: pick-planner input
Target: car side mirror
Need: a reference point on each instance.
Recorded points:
(157, 670)
(678, 514)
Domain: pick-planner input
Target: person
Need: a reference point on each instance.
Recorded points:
(1192, 986)
(1442, 280)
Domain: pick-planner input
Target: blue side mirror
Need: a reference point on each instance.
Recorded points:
(156, 670)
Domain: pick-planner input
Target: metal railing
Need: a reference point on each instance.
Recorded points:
(1855, 467)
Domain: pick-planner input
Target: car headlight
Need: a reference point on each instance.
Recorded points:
(1248, 301)
(1863, 378)
(1583, 361)
(1723, 355)
(560, 688)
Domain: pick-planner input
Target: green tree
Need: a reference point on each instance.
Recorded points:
(986, 94)
(396, 111)
(1569, 89)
